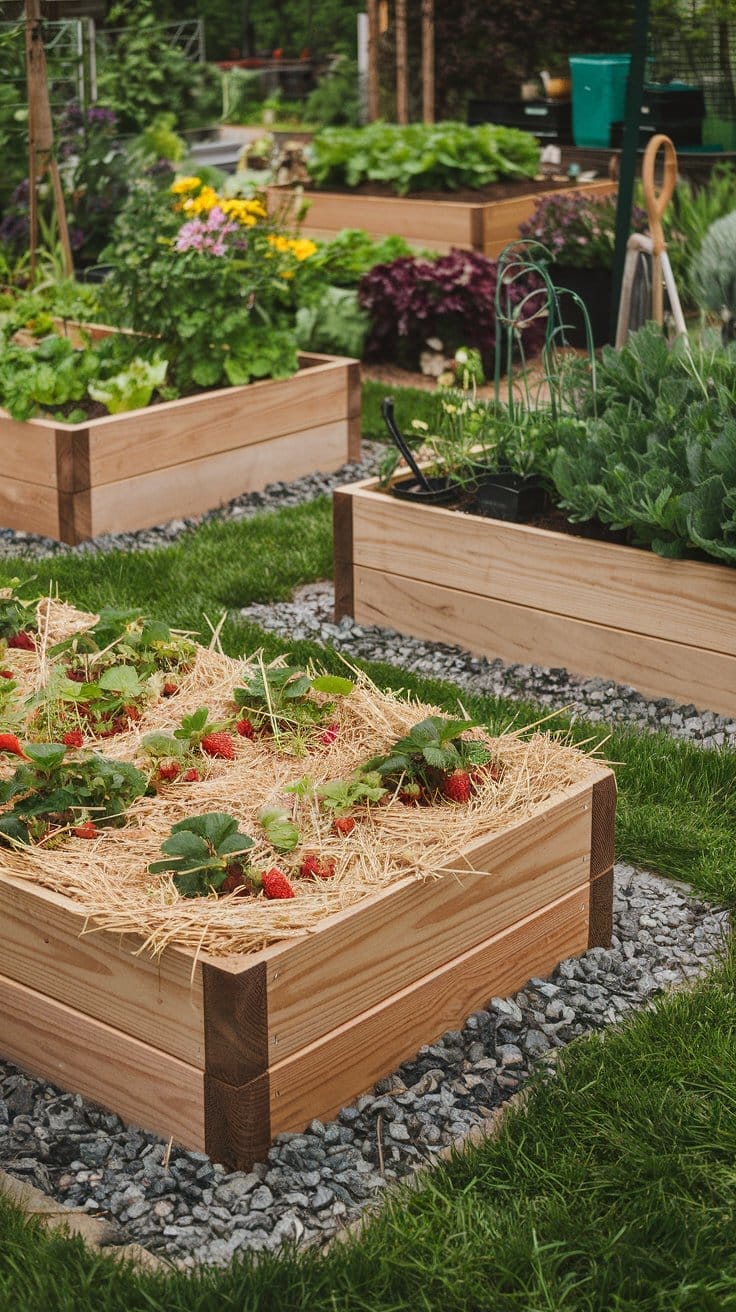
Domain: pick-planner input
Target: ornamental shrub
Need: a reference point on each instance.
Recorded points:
(451, 297)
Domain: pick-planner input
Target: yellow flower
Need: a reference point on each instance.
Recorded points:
(300, 247)
(182, 185)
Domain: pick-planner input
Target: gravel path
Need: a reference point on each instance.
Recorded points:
(190, 1210)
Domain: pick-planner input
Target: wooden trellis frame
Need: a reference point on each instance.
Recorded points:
(41, 137)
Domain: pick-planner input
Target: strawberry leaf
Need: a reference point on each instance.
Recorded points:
(279, 828)
(333, 684)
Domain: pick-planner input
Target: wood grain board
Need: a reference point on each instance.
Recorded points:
(226, 1052)
(129, 471)
(535, 596)
(433, 224)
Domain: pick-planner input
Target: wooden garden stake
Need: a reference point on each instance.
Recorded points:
(41, 137)
(402, 79)
(373, 35)
(428, 61)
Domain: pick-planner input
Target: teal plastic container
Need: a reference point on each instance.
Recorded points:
(598, 96)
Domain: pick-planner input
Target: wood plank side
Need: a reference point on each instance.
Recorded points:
(342, 538)
(28, 451)
(139, 1082)
(599, 582)
(426, 221)
(31, 507)
(654, 666)
(502, 219)
(43, 945)
(198, 485)
(123, 446)
(355, 959)
(320, 1079)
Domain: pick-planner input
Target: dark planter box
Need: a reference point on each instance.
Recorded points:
(510, 497)
(545, 118)
(594, 287)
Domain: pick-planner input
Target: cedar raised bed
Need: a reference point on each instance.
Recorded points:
(529, 595)
(224, 1053)
(485, 226)
(179, 458)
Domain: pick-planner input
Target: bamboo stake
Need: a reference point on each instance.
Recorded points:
(428, 61)
(402, 80)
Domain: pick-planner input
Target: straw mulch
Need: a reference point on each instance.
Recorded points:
(108, 877)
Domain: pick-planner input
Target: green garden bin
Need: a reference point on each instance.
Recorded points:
(598, 96)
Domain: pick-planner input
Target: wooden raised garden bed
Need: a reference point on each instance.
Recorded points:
(528, 595)
(485, 226)
(224, 1053)
(179, 458)
(170, 1011)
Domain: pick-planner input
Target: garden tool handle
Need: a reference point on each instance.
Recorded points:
(656, 203)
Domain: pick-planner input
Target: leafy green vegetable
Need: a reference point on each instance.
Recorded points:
(422, 157)
(132, 388)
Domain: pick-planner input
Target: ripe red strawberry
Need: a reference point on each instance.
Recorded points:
(9, 743)
(276, 885)
(87, 829)
(312, 865)
(169, 689)
(218, 744)
(73, 738)
(6, 674)
(456, 787)
(245, 728)
(329, 734)
(168, 770)
(343, 825)
(190, 776)
(131, 713)
(22, 641)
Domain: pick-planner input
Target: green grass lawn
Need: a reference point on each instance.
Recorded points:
(615, 1187)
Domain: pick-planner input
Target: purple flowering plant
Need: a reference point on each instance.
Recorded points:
(452, 297)
(578, 230)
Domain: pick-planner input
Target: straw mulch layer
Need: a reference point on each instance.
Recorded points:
(108, 877)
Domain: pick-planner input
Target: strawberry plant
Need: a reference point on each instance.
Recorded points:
(126, 637)
(197, 731)
(46, 791)
(103, 708)
(17, 619)
(279, 699)
(205, 855)
(342, 795)
(433, 759)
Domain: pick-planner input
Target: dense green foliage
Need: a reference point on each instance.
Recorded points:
(656, 452)
(422, 157)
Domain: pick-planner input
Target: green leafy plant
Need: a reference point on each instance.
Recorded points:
(421, 157)
(48, 792)
(279, 828)
(126, 636)
(204, 853)
(336, 326)
(433, 759)
(654, 452)
(278, 699)
(132, 388)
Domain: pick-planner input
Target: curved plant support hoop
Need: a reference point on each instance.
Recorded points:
(515, 264)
